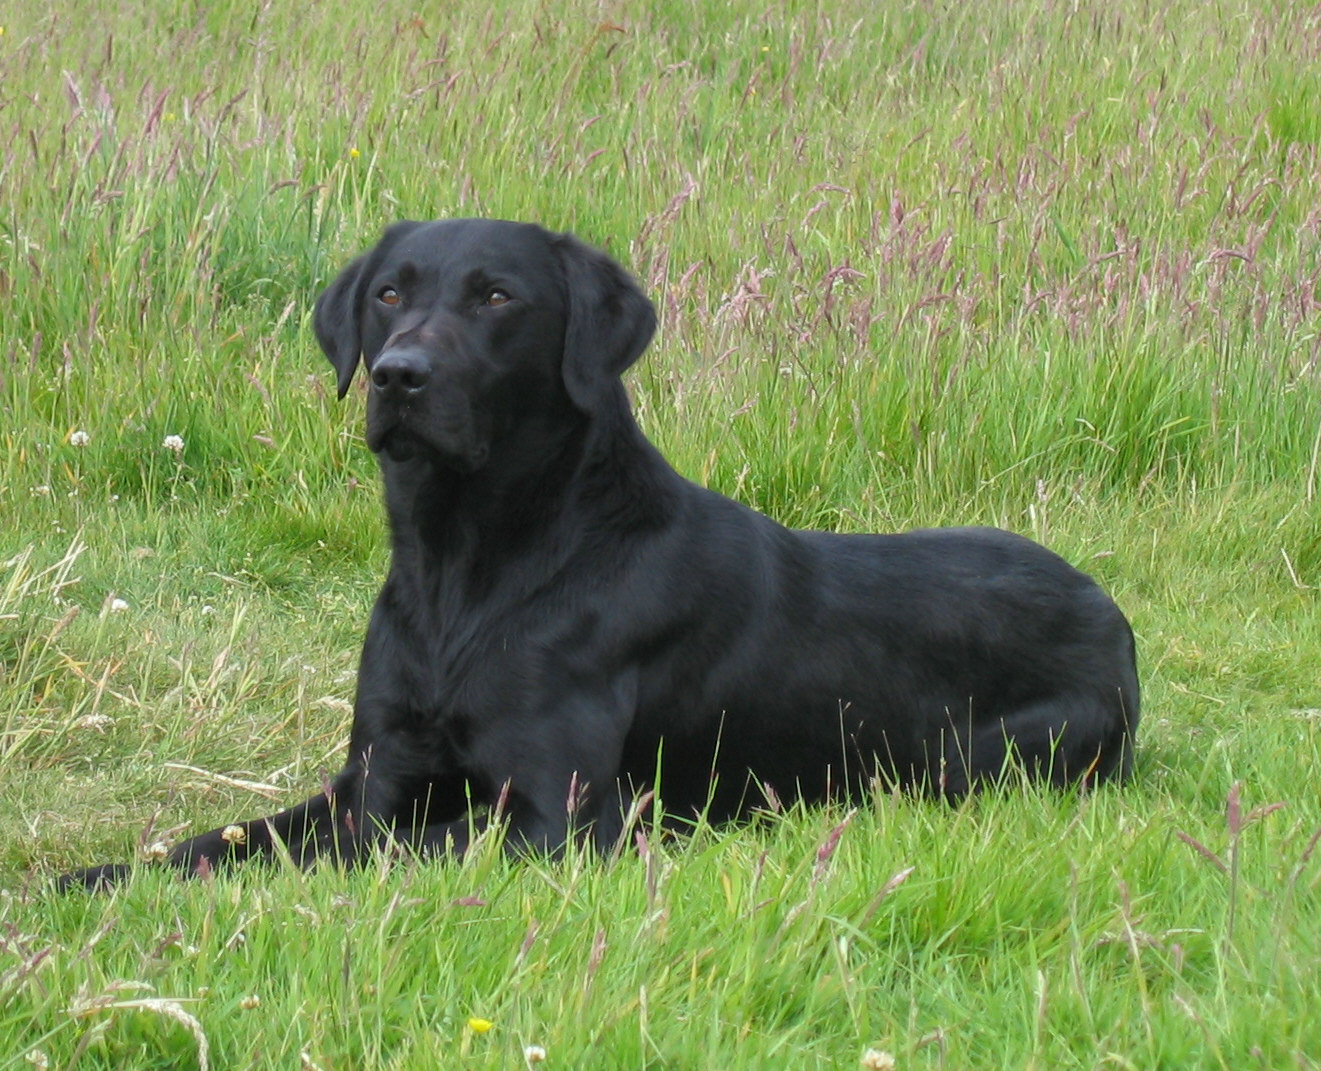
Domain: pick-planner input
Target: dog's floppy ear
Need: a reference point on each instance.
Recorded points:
(336, 320)
(610, 321)
(337, 317)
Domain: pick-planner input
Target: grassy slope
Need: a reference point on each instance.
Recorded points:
(1050, 267)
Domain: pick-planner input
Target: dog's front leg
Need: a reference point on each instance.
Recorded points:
(561, 771)
(357, 809)
(303, 828)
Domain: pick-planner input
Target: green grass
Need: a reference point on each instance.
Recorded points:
(1052, 267)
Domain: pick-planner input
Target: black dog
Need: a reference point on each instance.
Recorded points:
(568, 624)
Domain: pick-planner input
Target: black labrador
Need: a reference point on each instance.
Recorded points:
(568, 625)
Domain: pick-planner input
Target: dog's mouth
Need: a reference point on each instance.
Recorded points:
(400, 447)
(395, 441)
(399, 442)
(395, 432)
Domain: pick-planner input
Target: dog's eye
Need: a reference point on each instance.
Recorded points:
(497, 297)
(388, 296)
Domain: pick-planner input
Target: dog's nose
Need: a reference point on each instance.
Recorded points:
(401, 373)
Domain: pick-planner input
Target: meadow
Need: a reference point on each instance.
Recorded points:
(1049, 266)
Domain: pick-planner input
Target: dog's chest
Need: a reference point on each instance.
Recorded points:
(441, 655)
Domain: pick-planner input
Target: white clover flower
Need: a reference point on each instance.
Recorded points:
(876, 1060)
(79, 438)
(118, 605)
(156, 852)
(250, 1002)
(534, 1054)
(173, 442)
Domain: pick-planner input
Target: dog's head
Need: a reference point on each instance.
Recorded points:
(473, 329)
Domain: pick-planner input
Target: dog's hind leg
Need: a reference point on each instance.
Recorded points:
(1056, 741)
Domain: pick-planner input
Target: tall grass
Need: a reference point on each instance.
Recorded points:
(1053, 267)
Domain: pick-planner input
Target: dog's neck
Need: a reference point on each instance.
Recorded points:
(596, 469)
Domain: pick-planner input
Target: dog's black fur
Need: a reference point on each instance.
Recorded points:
(568, 624)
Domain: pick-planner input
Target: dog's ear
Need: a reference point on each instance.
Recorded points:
(337, 322)
(337, 318)
(609, 323)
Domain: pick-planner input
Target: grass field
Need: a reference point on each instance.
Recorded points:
(1048, 266)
